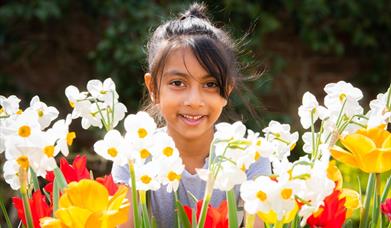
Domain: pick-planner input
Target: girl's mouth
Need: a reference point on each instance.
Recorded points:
(192, 120)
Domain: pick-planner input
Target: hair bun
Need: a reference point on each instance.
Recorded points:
(195, 10)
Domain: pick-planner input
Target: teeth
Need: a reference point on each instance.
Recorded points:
(192, 117)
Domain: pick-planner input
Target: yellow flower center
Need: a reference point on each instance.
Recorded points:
(72, 104)
(259, 143)
(40, 113)
(146, 179)
(286, 193)
(261, 196)
(24, 131)
(103, 92)
(70, 137)
(171, 176)
(142, 132)
(342, 97)
(257, 156)
(144, 153)
(243, 168)
(168, 151)
(49, 151)
(112, 152)
(20, 111)
(1, 110)
(23, 161)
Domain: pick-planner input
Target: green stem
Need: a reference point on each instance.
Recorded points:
(205, 203)
(134, 195)
(367, 203)
(313, 135)
(25, 199)
(232, 210)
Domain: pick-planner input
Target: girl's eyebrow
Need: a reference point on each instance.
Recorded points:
(183, 74)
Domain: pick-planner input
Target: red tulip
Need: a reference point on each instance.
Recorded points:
(38, 205)
(75, 172)
(215, 217)
(108, 182)
(386, 208)
(330, 215)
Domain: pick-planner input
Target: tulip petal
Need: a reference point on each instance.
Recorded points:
(343, 156)
(352, 200)
(377, 134)
(387, 142)
(378, 161)
(73, 216)
(86, 194)
(358, 144)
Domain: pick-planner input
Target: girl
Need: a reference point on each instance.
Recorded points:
(192, 71)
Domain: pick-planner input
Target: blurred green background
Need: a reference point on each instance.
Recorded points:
(297, 46)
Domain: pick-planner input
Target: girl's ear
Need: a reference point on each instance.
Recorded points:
(149, 84)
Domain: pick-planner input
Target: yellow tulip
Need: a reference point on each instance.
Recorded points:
(367, 149)
(87, 204)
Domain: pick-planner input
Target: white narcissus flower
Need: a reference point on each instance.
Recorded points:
(24, 125)
(9, 106)
(64, 138)
(139, 126)
(147, 176)
(112, 147)
(27, 153)
(283, 141)
(311, 107)
(256, 193)
(378, 113)
(229, 176)
(164, 146)
(170, 172)
(344, 95)
(45, 114)
(103, 91)
(226, 131)
(78, 101)
(119, 114)
(11, 173)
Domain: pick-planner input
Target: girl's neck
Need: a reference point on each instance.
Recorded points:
(193, 151)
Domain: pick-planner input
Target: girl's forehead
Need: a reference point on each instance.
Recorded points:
(182, 61)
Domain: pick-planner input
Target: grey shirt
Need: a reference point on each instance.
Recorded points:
(162, 202)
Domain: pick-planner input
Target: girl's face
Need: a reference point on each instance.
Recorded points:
(188, 98)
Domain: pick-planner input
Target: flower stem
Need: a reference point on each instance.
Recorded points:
(25, 199)
(205, 203)
(134, 195)
(232, 211)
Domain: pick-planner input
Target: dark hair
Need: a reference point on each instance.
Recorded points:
(213, 48)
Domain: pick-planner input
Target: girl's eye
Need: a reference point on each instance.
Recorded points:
(177, 83)
(211, 85)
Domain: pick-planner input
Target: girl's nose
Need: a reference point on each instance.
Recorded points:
(194, 98)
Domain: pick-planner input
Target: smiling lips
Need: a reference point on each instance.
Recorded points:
(192, 119)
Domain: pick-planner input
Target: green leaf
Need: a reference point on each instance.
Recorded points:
(5, 214)
(184, 220)
(34, 179)
(368, 197)
(59, 177)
